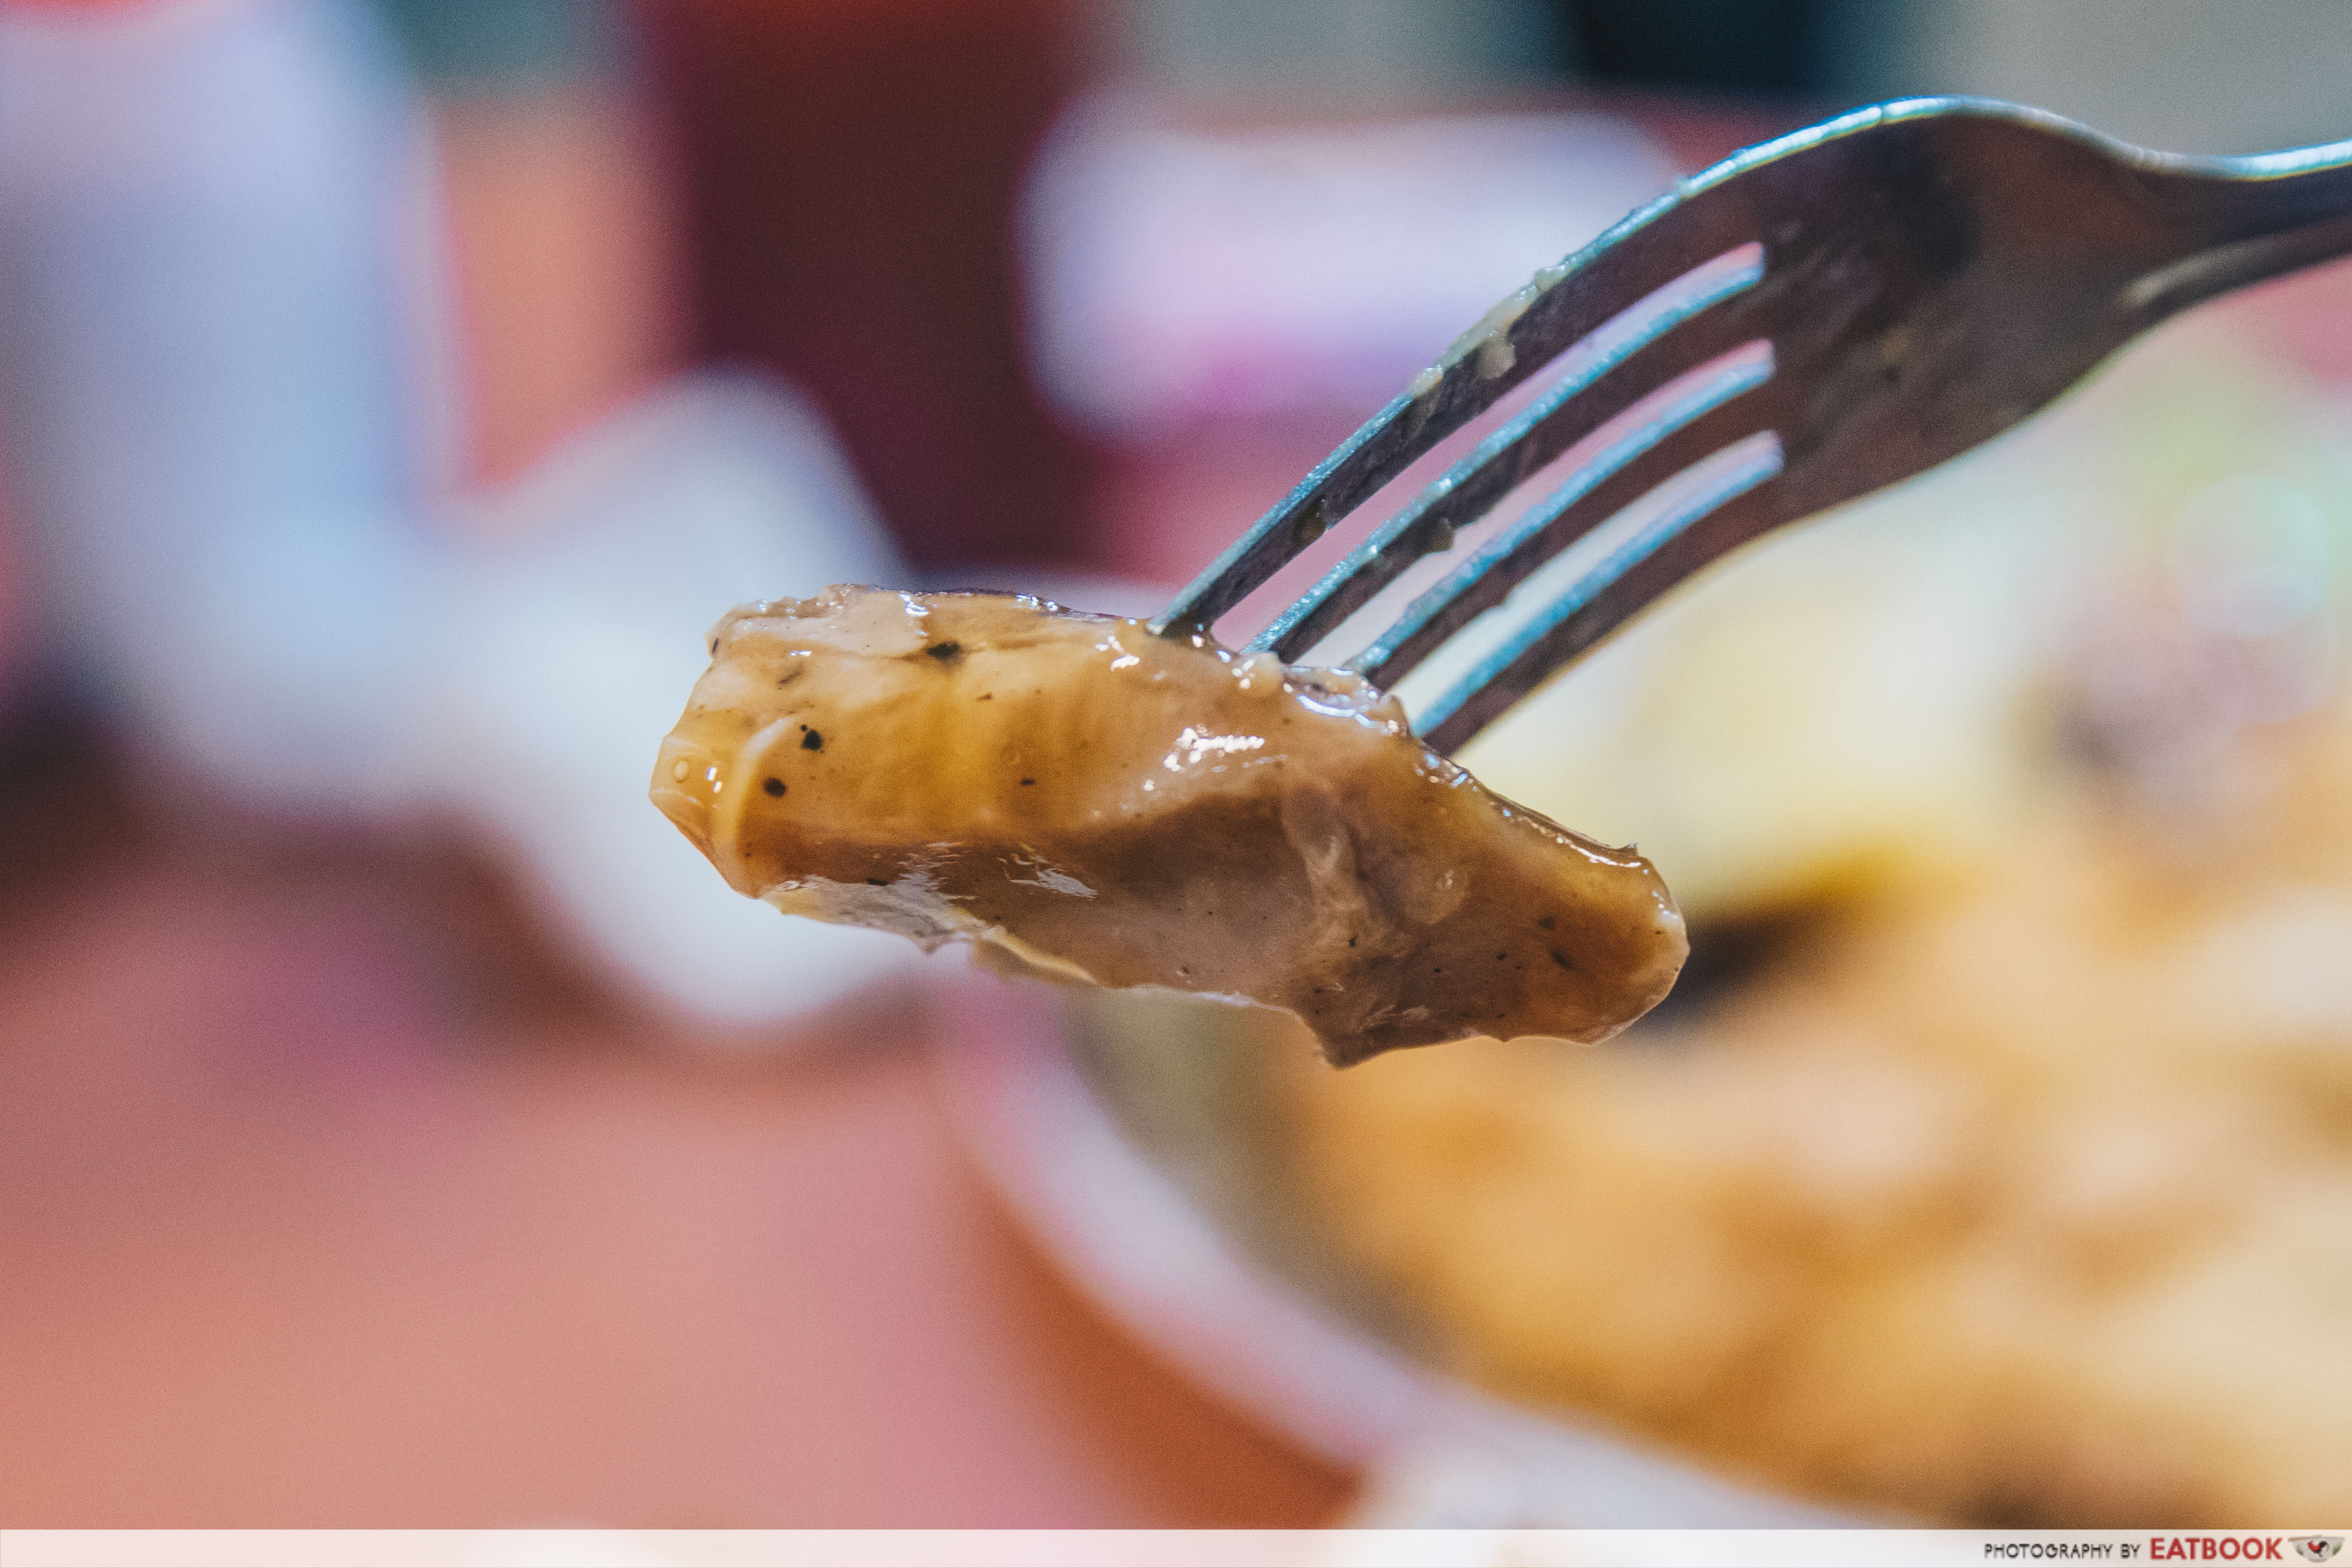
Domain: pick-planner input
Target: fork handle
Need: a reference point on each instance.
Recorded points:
(2243, 221)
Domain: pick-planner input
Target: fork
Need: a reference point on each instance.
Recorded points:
(1805, 323)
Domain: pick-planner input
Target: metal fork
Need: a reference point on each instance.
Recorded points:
(1827, 314)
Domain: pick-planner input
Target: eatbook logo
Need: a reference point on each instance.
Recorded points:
(2317, 1548)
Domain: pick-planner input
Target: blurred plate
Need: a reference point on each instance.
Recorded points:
(1127, 1133)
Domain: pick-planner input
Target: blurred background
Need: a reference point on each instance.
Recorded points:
(399, 1125)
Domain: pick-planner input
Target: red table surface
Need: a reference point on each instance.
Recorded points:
(329, 1196)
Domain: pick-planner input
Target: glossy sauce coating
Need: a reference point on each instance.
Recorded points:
(1096, 803)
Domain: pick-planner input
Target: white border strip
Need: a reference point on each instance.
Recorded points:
(1143, 1547)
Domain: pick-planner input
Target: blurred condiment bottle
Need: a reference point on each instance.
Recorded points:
(850, 170)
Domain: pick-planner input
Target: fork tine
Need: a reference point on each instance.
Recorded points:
(1706, 420)
(1939, 269)
(1680, 340)
(1740, 504)
(1561, 307)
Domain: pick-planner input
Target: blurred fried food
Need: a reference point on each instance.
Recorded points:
(2029, 1201)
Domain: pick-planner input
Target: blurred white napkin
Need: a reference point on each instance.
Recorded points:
(570, 652)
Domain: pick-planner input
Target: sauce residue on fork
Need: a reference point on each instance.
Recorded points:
(1091, 802)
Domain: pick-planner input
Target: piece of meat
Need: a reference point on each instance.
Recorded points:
(1097, 803)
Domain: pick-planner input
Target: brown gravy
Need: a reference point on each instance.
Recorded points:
(1091, 802)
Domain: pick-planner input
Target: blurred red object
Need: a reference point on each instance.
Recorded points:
(852, 168)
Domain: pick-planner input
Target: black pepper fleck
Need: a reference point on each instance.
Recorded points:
(1544, 924)
(878, 882)
(945, 652)
(1560, 959)
(1028, 781)
(773, 786)
(811, 740)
